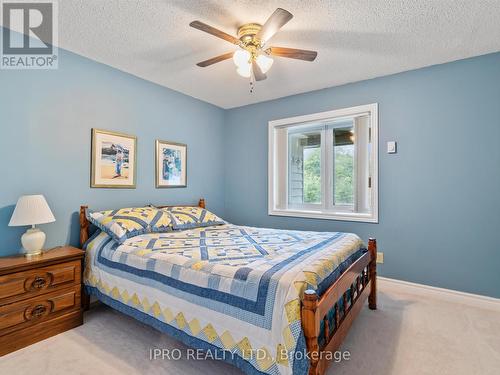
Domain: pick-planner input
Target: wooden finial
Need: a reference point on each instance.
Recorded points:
(201, 203)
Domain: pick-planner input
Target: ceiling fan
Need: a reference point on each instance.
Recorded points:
(253, 59)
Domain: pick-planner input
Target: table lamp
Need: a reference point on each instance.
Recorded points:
(32, 210)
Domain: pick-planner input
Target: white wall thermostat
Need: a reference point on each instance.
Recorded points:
(391, 147)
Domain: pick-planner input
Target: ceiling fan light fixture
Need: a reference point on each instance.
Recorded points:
(241, 58)
(251, 59)
(264, 62)
(244, 70)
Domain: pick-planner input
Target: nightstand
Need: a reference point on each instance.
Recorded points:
(39, 296)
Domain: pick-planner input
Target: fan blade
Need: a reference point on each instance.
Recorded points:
(212, 30)
(273, 24)
(216, 59)
(292, 53)
(257, 73)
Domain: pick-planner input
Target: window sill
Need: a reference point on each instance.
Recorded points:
(325, 215)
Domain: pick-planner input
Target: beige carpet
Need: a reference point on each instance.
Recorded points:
(411, 333)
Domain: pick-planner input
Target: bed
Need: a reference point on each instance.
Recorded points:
(268, 301)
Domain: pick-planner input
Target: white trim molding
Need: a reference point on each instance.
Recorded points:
(450, 295)
(278, 168)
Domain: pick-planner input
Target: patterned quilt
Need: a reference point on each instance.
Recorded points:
(228, 289)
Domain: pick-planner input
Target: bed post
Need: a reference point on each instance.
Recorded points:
(372, 274)
(84, 236)
(310, 323)
(201, 203)
(84, 226)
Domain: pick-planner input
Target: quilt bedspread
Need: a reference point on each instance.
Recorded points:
(232, 289)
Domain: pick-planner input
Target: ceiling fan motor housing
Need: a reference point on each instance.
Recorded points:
(247, 32)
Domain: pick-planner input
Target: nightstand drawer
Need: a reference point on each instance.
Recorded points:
(26, 284)
(39, 296)
(28, 312)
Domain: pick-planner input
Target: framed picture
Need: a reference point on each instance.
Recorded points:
(170, 164)
(113, 161)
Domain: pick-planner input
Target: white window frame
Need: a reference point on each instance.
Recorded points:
(323, 211)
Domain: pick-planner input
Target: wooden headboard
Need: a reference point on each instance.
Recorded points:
(84, 223)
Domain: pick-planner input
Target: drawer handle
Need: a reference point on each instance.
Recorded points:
(38, 283)
(38, 311)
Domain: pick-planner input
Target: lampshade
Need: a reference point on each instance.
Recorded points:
(244, 70)
(31, 210)
(264, 62)
(241, 57)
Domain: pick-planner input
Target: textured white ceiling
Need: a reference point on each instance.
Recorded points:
(355, 40)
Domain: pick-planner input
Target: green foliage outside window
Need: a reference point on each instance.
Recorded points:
(344, 172)
(312, 176)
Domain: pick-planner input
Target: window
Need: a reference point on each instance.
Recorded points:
(325, 165)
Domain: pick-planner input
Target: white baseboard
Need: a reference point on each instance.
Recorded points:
(469, 299)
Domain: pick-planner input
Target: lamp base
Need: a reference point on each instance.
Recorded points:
(33, 255)
(33, 241)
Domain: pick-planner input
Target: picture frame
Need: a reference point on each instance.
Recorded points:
(170, 164)
(113, 160)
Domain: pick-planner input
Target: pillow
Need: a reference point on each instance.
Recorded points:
(185, 217)
(129, 222)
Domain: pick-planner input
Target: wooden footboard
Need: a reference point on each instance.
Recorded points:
(360, 280)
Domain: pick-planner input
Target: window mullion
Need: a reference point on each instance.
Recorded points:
(327, 177)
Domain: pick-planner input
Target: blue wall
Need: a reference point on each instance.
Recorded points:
(439, 195)
(45, 120)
